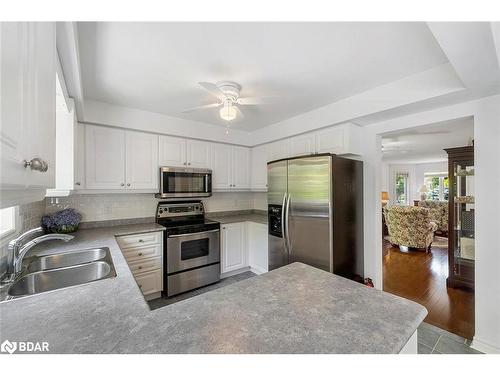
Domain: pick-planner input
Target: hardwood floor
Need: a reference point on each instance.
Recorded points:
(421, 277)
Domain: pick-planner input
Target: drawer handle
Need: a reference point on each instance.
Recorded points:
(140, 286)
(140, 254)
(140, 267)
(141, 240)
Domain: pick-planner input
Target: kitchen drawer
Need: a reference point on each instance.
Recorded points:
(143, 252)
(139, 266)
(150, 282)
(139, 239)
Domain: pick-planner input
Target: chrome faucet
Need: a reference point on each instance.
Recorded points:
(14, 246)
(18, 252)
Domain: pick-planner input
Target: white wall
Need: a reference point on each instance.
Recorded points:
(131, 118)
(385, 181)
(487, 182)
(98, 207)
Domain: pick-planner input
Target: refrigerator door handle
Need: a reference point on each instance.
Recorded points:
(283, 218)
(287, 227)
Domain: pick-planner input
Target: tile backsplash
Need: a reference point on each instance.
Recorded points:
(101, 207)
(98, 207)
(29, 217)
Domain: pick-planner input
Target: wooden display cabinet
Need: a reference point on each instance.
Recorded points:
(461, 239)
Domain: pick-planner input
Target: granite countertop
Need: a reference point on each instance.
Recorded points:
(294, 309)
(227, 217)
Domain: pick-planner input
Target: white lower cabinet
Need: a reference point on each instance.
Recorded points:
(149, 282)
(234, 250)
(144, 255)
(257, 247)
(243, 247)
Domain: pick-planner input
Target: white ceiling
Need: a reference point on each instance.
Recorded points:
(156, 66)
(425, 144)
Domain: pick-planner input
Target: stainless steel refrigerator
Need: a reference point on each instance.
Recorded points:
(315, 213)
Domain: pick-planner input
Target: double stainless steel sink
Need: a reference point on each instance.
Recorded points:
(62, 270)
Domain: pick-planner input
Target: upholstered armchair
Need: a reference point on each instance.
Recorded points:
(410, 226)
(439, 213)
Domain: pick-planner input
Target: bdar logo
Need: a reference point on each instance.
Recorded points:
(8, 346)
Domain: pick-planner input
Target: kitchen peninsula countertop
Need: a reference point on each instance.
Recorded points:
(294, 309)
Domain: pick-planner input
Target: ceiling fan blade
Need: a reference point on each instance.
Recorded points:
(213, 89)
(206, 106)
(238, 112)
(255, 100)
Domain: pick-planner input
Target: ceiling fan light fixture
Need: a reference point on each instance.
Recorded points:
(228, 112)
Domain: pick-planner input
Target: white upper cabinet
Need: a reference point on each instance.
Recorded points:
(79, 158)
(259, 168)
(41, 113)
(302, 145)
(230, 167)
(120, 159)
(141, 164)
(277, 150)
(172, 152)
(104, 158)
(28, 58)
(340, 139)
(180, 152)
(241, 168)
(221, 167)
(198, 154)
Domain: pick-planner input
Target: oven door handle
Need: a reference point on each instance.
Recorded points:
(192, 234)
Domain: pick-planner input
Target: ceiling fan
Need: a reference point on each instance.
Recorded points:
(228, 98)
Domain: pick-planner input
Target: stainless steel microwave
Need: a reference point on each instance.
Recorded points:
(178, 182)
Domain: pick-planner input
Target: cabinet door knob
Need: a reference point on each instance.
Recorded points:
(77, 183)
(184, 163)
(140, 254)
(189, 163)
(128, 184)
(36, 164)
(122, 184)
(141, 240)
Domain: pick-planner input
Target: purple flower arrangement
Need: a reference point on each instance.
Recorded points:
(65, 221)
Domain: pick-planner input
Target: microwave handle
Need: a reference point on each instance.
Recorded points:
(190, 234)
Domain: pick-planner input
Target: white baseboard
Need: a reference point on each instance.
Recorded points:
(235, 272)
(257, 270)
(484, 347)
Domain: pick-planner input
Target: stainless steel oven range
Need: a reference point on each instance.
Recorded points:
(191, 253)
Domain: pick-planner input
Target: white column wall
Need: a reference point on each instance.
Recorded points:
(487, 187)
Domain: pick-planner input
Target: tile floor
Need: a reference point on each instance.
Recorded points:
(431, 339)
(160, 302)
(434, 340)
